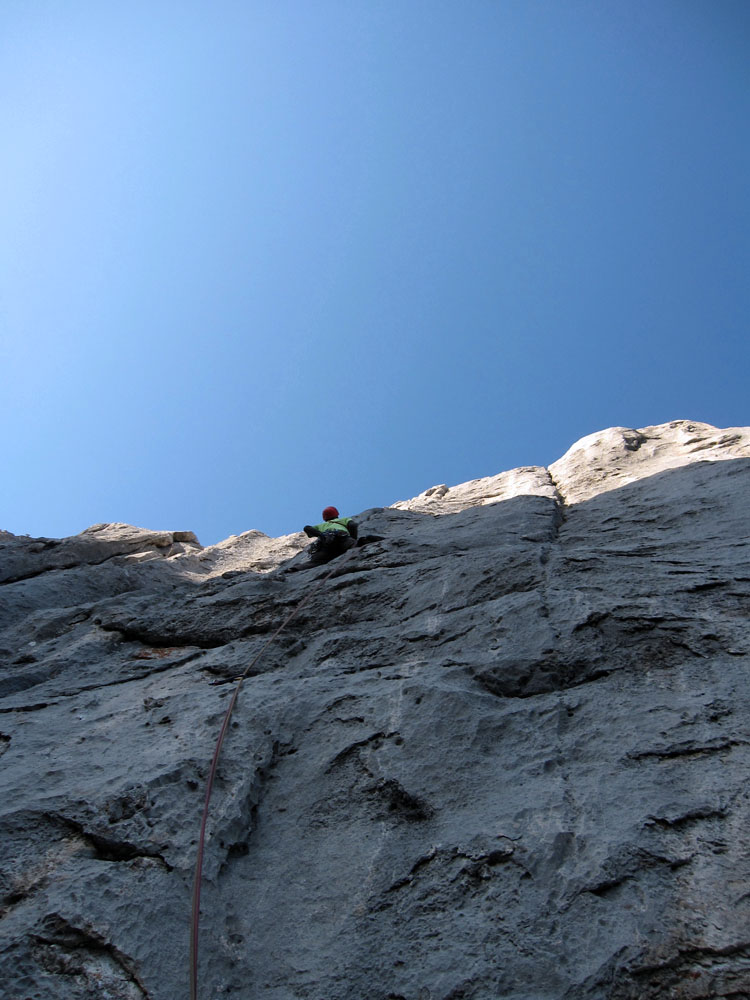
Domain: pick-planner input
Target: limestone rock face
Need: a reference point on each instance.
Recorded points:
(618, 456)
(500, 753)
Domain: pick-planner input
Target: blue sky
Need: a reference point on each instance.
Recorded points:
(260, 257)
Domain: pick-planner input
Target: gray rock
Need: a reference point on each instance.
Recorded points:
(500, 753)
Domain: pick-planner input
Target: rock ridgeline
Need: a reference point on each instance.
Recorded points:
(501, 754)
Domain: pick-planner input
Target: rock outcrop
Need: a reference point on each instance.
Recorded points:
(500, 754)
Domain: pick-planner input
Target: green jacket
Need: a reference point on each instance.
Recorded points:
(338, 524)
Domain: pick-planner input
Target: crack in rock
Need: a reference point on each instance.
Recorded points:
(88, 955)
(107, 848)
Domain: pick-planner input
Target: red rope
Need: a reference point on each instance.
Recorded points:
(195, 918)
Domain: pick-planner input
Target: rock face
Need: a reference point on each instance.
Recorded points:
(500, 754)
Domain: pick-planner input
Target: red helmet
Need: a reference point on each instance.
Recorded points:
(330, 513)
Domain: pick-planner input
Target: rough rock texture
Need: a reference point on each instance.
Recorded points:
(500, 754)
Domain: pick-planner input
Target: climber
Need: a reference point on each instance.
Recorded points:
(334, 536)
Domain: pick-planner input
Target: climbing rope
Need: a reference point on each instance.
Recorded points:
(195, 918)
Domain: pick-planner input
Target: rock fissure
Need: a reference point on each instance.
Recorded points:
(698, 954)
(561, 507)
(65, 939)
(155, 640)
(83, 689)
(688, 749)
(36, 707)
(108, 848)
(688, 818)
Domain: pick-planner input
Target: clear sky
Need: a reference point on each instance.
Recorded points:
(260, 256)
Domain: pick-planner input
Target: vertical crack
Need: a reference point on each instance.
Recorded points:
(559, 517)
(561, 508)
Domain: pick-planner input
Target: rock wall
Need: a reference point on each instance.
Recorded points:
(500, 754)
